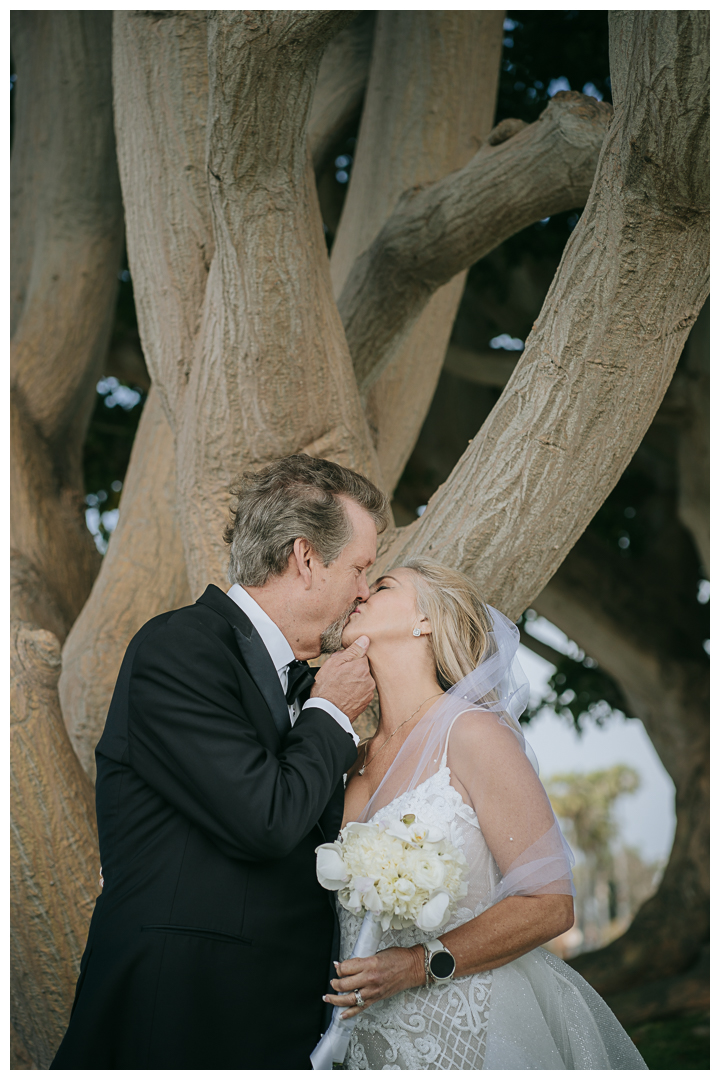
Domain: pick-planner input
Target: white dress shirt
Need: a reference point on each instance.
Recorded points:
(282, 655)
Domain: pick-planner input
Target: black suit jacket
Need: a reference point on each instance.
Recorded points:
(210, 945)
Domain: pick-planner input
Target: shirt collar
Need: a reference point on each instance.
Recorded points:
(273, 638)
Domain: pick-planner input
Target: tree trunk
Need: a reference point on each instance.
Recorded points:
(243, 396)
(438, 230)
(143, 573)
(631, 282)
(429, 105)
(67, 242)
(67, 236)
(53, 848)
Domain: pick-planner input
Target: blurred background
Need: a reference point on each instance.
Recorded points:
(640, 567)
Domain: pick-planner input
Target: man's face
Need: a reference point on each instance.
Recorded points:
(344, 582)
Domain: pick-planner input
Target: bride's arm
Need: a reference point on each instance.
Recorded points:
(492, 773)
(506, 931)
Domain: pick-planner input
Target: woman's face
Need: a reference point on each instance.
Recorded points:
(390, 613)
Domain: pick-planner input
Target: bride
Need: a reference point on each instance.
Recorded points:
(449, 748)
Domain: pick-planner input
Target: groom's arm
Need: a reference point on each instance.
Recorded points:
(192, 740)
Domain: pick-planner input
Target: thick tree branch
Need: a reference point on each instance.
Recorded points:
(53, 850)
(596, 366)
(161, 73)
(69, 218)
(429, 105)
(67, 237)
(160, 69)
(142, 574)
(217, 341)
(269, 318)
(161, 101)
(677, 409)
(441, 229)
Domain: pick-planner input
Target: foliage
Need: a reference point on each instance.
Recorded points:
(586, 800)
(578, 690)
(545, 51)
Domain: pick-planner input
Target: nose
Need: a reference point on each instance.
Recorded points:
(363, 590)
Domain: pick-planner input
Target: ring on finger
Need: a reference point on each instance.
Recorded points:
(358, 999)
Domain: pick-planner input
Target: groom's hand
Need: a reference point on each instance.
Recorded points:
(345, 680)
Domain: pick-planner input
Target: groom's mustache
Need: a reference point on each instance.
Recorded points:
(331, 638)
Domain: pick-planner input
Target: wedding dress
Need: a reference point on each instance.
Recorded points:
(532, 1013)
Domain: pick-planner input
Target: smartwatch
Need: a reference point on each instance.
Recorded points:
(439, 963)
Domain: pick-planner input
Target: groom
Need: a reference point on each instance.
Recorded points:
(219, 771)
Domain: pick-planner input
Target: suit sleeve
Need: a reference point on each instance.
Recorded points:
(191, 740)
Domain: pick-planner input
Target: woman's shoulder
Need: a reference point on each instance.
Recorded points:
(483, 738)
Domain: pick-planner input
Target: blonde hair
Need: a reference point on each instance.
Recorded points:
(460, 621)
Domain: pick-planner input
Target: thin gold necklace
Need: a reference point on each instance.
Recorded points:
(366, 762)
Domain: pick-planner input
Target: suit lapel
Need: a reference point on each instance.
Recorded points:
(255, 655)
(264, 675)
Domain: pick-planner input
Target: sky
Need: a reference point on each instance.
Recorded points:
(646, 818)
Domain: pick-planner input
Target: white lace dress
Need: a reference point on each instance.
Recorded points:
(533, 1013)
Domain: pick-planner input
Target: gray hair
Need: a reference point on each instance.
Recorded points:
(298, 496)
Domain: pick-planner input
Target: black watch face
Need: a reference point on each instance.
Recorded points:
(442, 965)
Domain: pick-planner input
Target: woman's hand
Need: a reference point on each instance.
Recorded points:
(376, 977)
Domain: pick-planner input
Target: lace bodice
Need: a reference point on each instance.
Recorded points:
(443, 1027)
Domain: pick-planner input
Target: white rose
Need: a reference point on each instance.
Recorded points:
(331, 870)
(404, 889)
(425, 870)
(433, 913)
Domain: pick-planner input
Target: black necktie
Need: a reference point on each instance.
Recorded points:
(300, 678)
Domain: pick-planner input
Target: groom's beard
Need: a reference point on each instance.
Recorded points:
(331, 638)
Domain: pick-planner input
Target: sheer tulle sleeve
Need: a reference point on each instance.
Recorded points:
(489, 762)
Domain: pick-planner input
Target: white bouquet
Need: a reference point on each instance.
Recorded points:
(399, 873)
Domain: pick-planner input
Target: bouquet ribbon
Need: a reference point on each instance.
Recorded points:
(331, 1049)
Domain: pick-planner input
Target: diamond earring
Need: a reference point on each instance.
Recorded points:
(416, 632)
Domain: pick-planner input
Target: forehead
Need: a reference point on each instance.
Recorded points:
(399, 576)
(363, 526)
